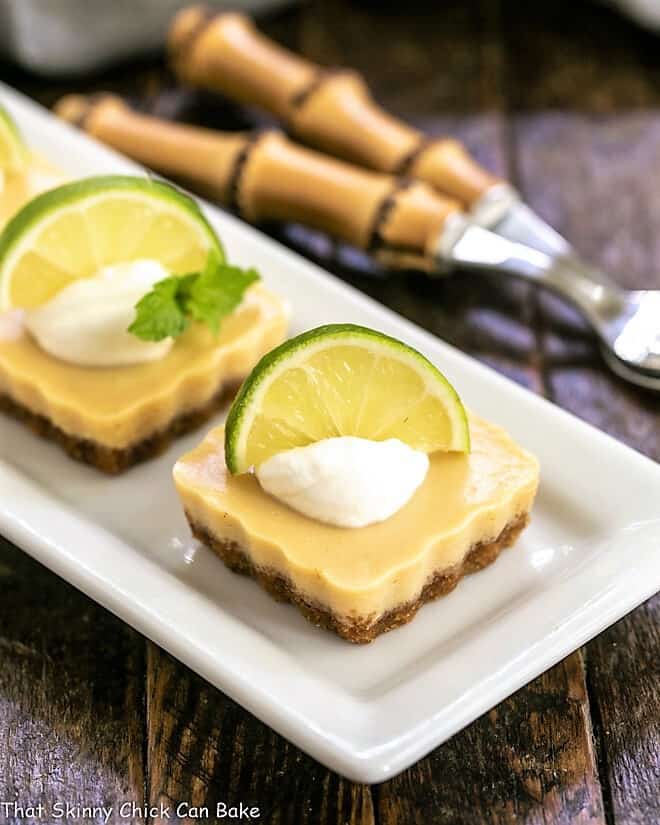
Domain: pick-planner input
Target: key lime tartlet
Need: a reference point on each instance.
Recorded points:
(350, 480)
(23, 173)
(131, 327)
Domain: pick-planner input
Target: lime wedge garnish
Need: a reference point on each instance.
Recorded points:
(75, 230)
(342, 380)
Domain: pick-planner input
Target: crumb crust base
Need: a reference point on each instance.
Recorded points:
(359, 629)
(114, 460)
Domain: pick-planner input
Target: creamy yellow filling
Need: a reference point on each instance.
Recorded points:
(464, 500)
(119, 406)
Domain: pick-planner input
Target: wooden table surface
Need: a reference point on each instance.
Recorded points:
(562, 98)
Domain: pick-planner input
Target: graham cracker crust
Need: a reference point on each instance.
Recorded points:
(113, 460)
(363, 629)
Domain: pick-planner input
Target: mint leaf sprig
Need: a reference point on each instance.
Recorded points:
(207, 296)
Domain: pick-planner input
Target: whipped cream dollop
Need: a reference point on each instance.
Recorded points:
(345, 481)
(87, 322)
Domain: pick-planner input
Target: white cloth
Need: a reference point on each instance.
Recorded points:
(64, 36)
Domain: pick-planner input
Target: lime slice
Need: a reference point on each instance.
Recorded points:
(342, 380)
(73, 231)
(13, 152)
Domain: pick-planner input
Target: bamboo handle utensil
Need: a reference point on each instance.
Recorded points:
(330, 110)
(264, 176)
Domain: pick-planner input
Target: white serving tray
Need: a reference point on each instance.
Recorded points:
(590, 555)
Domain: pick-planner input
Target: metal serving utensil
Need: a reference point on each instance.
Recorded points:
(627, 322)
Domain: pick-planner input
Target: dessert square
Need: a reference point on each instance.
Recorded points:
(114, 417)
(363, 582)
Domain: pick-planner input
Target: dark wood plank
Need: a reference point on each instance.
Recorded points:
(600, 196)
(624, 674)
(71, 703)
(585, 56)
(415, 58)
(205, 750)
(529, 760)
(605, 197)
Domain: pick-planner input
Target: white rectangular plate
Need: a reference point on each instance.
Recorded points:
(589, 556)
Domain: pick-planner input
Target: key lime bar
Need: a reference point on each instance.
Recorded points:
(358, 582)
(117, 414)
(23, 173)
